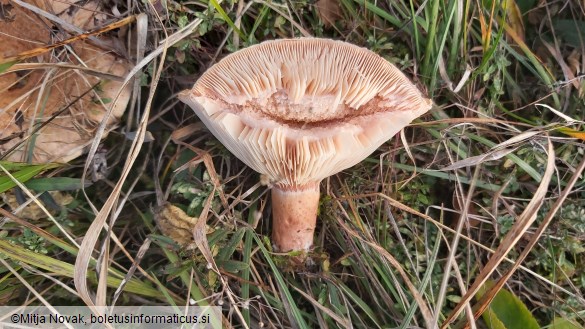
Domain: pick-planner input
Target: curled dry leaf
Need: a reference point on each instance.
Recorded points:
(175, 223)
(30, 99)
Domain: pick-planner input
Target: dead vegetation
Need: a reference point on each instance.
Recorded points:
(483, 194)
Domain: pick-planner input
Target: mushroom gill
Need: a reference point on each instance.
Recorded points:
(300, 110)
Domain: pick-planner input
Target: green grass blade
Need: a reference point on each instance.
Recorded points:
(6, 65)
(359, 302)
(55, 184)
(22, 175)
(228, 250)
(227, 19)
(247, 258)
(430, 47)
(47, 263)
(295, 312)
(512, 186)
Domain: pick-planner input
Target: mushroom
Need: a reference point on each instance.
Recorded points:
(300, 110)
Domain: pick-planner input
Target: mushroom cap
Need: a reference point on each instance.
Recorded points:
(300, 110)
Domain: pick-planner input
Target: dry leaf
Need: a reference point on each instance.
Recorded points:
(174, 223)
(329, 11)
(31, 98)
(574, 61)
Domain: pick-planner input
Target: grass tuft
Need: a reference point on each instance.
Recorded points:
(487, 187)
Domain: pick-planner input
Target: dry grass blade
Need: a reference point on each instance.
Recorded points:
(92, 235)
(135, 264)
(345, 323)
(141, 39)
(454, 243)
(444, 75)
(556, 53)
(468, 120)
(32, 290)
(200, 230)
(516, 139)
(478, 159)
(40, 232)
(522, 224)
(409, 153)
(426, 311)
(82, 261)
(186, 131)
(489, 295)
(200, 238)
(559, 113)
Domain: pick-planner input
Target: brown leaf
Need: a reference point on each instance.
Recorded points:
(174, 223)
(574, 61)
(329, 11)
(33, 96)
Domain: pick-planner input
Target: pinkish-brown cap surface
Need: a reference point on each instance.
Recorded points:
(300, 110)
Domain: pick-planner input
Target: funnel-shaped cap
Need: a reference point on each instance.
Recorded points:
(300, 110)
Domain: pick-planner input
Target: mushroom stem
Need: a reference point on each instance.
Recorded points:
(294, 217)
